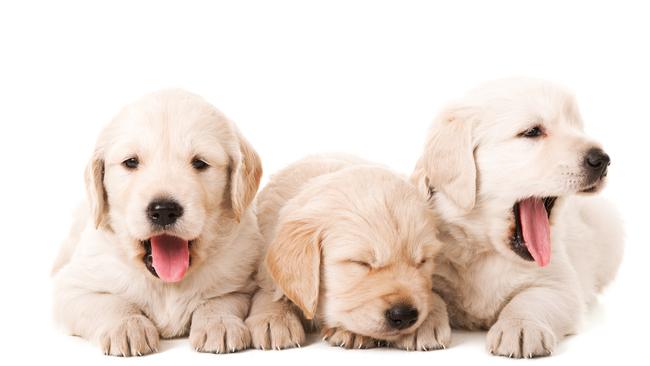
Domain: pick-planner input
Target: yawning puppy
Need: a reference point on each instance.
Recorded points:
(508, 168)
(352, 246)
(168, 243)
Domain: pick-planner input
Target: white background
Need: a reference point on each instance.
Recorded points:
(303, 77)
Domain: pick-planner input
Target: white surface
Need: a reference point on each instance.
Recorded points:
(299, 78)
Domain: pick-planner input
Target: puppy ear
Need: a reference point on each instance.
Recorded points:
(245, 176)
(293, 260)
(447, 164)
(94, 177)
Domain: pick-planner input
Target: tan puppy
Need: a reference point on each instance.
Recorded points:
(351, 245)
(168, 244)
(523, 254)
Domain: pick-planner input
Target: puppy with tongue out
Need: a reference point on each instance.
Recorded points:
(511, 174)
(167, 244)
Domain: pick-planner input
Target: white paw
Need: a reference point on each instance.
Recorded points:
(342, 338)
(133, 336)
(274, 331)
(220, 335)
(431, 335)
(520, 339)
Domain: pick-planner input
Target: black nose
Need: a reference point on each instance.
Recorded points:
(401, 316)
(164, 212)
(596, 163)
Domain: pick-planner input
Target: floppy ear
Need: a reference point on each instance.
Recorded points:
(447, 164)
(94, 177)
(245, 176)
(293, 260)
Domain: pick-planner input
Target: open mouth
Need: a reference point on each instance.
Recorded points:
(167, 257)
(532, 237)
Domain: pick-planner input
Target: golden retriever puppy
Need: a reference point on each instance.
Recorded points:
(509, 170)
(351, 245)
(168, 243)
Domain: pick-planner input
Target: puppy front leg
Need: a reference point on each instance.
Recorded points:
(117, 326)
(434, 333)
(533, 321)
(274, 324)
(218, 324)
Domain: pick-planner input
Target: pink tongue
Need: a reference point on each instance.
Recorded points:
(536, 229)
(171, 257)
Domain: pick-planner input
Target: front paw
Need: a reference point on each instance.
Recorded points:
(220, 335)
(342, 338)
(276, 331)
(431, 335)
(520, 339)
(135, 335)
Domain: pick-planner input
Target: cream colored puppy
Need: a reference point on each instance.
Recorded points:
(509, 170)
(351, 244)
(169, 242)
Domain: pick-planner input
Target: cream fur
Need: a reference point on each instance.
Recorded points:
(346, 241)
(103, 291)
(473, 169)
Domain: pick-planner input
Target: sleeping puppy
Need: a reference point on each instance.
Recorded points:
(168, 242)
(510, 172)
(351, 245)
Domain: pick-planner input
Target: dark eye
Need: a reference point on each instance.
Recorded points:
(199, 164)
(422, 262)
(532, 132)
(131, 163)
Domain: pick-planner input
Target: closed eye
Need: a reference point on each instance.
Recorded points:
(359, 263)
(423, 261)
(532, 132)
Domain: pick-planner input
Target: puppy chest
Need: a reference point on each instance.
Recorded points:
(171, 314)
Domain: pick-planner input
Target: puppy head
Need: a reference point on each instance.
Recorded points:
(503, 155)
(355, 249)
(169, 176)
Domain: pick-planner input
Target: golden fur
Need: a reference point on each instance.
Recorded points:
(346, 241)
(475, 166)
(103, 291)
